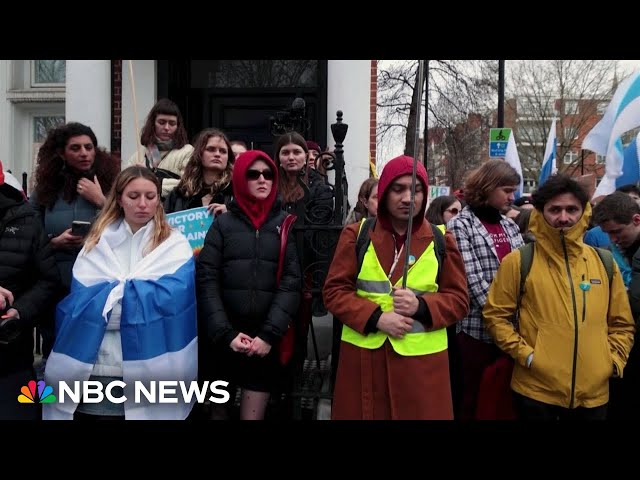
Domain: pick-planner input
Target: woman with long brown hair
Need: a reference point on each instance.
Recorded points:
(367, 205)
(291, 153)
(206, 181)
(73, 175)
(131, 315)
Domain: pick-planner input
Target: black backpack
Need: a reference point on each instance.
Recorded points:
(362, 244)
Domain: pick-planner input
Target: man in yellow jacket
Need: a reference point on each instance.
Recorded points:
(575, 329)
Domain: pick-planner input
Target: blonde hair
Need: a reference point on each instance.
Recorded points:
(112, 211)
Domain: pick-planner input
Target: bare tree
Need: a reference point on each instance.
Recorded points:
(568, 90)
(456, 89)
(464, 146)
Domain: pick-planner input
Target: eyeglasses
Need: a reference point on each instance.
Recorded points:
(255, 174)
(455, 211)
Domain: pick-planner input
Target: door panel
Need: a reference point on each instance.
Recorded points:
(243, 110)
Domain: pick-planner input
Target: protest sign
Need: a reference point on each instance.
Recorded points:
(193, 224)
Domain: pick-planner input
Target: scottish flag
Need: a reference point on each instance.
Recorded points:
(622, 115)
(158, 328)
(549, 163)
(512, 158)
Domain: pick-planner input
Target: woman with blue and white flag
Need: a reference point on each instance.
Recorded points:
(131, 314)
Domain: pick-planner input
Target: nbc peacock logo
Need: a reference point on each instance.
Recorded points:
(44, 391)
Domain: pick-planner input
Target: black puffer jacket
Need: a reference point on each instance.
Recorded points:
(236, 278)
(177, 201)
(28, 270)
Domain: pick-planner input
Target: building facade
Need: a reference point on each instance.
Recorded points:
(238, 96)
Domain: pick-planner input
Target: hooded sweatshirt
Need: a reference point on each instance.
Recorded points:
(256, 210)
(397, 167)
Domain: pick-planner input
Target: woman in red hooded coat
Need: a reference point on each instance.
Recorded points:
(245, 309)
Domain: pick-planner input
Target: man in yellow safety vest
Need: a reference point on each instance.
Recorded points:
(393, 357)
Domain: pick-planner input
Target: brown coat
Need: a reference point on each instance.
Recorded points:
(381, 384)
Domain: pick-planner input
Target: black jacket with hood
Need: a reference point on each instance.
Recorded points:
(236, 269)
(27, 269)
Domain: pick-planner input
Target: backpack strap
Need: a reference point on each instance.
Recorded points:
(439, 248)
(362, 243)
(526, 260)
(606, 257)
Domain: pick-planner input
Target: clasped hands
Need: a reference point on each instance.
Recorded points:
(6, 301)
(398, 322)
(243, 343)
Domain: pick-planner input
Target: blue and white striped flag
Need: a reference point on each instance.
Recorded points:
(512, 158)
(622, 115)
(630, 164)
(549, 163)
(158, 328)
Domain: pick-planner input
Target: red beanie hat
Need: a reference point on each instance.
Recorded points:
(311, 145)
(1, 174)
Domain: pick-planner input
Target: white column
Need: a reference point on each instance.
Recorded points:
(144, 79)
(6, 154)
(349, 90)
(88, 99)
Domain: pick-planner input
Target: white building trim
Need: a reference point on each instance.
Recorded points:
(89, 97)
(348, 89)
(20, 103)
(144, 78)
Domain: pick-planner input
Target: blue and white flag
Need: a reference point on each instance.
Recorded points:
(549, 163)
(158, 328)
(622, 115)
(630, 164)
(512, 158)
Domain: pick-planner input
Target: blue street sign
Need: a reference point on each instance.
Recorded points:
(497, 149)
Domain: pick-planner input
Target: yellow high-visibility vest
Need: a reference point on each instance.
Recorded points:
(372, 283)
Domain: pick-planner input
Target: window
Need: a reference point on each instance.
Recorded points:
(48, 73)
(34, 92)
(570, 133)
(42, 124)
(570, 107)
(530, 133)
(525, 106)
(254, 73)
(570, 157)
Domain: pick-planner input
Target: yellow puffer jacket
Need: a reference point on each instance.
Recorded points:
(576, 335)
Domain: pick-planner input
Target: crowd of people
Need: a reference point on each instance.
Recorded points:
(481, 306)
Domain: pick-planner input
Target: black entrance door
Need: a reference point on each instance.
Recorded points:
(243, 97)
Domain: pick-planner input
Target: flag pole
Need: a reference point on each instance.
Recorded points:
(407, 246)
(135, 112)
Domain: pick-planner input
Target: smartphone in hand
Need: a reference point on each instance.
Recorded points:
(80, 228)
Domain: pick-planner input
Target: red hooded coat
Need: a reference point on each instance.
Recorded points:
(381, 384)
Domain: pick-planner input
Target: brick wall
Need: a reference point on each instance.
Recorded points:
(116, 106)
(373, 111)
